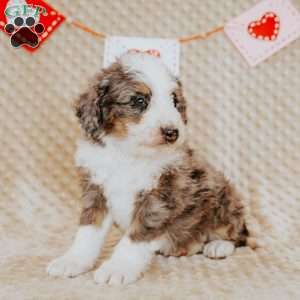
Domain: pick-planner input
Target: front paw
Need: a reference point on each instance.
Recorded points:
(115, 272)
(218, 249)
(68, 266)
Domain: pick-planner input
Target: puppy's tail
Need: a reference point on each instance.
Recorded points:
(259, 229)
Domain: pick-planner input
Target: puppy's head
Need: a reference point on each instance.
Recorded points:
(135, 101)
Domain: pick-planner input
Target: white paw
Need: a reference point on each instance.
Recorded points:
(68, 266)
(116, 273)
(218, 249)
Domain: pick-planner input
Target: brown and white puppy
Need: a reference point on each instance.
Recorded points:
(139, 173)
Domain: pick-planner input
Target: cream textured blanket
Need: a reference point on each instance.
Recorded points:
(245, 121)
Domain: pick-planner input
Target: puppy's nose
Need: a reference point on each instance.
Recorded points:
(170, 134)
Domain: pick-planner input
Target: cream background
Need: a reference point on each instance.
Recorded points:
(244, 120)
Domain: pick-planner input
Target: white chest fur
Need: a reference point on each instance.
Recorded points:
(120, 175)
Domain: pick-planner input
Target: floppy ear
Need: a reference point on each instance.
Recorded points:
(181, 106)
(91, 110)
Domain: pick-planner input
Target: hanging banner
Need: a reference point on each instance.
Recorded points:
(264, 29)
(167, 49)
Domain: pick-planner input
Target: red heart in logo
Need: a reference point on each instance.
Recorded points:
(267, 28)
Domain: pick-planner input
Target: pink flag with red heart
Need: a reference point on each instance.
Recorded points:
(264, 29)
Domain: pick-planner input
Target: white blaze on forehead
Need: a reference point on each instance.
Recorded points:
(150, 70)
(161, 112)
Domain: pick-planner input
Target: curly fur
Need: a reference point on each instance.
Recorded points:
(147, 182)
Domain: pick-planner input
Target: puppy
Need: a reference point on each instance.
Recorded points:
(139, 173)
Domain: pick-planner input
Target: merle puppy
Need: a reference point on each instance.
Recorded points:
(139, 173)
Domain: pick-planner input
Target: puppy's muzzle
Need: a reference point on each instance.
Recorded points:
(170, 135)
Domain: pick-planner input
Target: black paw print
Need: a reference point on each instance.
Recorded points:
(24, 32)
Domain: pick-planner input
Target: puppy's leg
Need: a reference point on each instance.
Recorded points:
(128, 261)
(95, 223)
(84, 251)
(218, 249)
(144, 237)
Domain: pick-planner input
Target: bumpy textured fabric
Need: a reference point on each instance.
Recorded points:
(245, 121)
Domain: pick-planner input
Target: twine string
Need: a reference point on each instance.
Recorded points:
(87, 29)
(182, 40)
(197, 37)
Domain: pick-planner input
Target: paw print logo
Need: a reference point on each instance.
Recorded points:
(24, 31)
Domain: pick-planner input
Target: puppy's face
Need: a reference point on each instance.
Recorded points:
(135, 101)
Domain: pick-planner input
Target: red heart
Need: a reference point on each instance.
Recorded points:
(267, 28)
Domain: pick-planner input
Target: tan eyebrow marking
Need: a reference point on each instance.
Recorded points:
(142, 88)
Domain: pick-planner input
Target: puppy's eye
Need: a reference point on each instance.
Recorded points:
(175, 99)
(139, 101)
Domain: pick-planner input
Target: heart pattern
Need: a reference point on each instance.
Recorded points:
(152, 52)
(267, 28)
